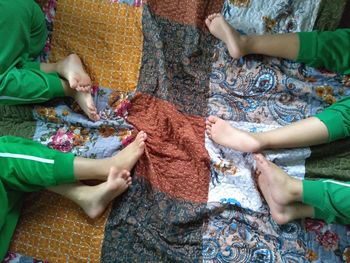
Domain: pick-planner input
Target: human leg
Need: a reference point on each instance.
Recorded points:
(115, 170)
(94, 199)
(307, 132)
(27, 166)
(278, 45)
(31, 85)
(39, 167)
(282, 193)
(328, 49)
(72, 70)
(88, 169)
(330, 125)
(84, 100)
(22, 80)
(330, 199)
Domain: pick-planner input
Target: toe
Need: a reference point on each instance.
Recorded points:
(73, 84)
(207, 22)
(210, 17)
(212, 119)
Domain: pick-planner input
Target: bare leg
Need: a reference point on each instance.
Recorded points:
(95, 199)
(84, 99)
(71, 69)
(307, 132)
(282, 193)
(280, 45)
(75, 81)
(90, 169)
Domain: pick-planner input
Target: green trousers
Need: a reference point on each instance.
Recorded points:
(330, 199)
(330, 50)
(26, 166)
(23, 35)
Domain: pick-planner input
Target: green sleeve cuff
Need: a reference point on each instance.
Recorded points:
(55, 85)
(64, 168)
(337, 119)
(307, 47)
(32, 65)
(313, 193)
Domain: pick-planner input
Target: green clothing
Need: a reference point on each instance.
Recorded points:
(330, 50)
(26, 166)
(329, 198)
(23, 35)
(337, 119)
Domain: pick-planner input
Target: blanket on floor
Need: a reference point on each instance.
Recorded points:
(156, 68)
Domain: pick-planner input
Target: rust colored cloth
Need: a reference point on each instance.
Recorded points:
(61, 232)
(107, 37)
(176, 161)
(188, 12)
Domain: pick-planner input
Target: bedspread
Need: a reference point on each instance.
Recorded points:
(156, 68)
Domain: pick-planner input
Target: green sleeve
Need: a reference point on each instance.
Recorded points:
(329, 49)
(23, 24)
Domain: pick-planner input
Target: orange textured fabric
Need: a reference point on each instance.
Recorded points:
(176, 161)
(107, 37)
(188, 12)
(55, 229)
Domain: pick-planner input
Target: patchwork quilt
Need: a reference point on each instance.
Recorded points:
(156, 68)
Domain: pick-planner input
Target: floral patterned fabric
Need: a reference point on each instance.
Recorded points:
(63, 127)
(192, 200)
(18, 258)
(256, 94)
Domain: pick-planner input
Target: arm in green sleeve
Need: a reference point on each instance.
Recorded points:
(329, 49)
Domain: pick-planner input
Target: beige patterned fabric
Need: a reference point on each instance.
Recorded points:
(107, 36)
(55, 229)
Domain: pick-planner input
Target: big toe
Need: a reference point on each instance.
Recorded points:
(261, 162)
(213, 119)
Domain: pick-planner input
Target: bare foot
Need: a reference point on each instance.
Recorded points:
(223, 133)
(127, 158)
(71, 68)
(86, 103)
(282, 193)
(223, 31)
(95, 199)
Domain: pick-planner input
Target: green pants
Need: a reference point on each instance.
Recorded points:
(23, 35)
(330, 199)
(330, 50)
(26, 166)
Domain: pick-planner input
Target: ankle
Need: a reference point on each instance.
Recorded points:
(260, 144)
(68, 91)
(282, 216)
(295, 189)
(245, 44)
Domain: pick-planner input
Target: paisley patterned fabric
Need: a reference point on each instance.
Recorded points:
(191, 200)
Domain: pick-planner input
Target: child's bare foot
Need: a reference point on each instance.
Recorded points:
(281, 192)
(223, 31)
(223, 133)
(127, 158)
(86, 103)
(95, 199)
(71, 68)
